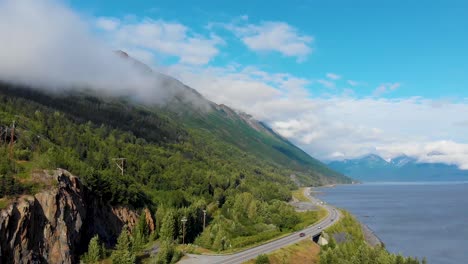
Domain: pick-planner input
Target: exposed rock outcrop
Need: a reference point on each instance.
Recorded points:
(55, 226)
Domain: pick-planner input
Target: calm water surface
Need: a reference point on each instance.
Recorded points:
(415, 219)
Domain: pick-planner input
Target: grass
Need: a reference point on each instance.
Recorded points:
(309, 218)
(299, 195)
(304, 251)
(255, 240)
(194, 249)
(4, 202)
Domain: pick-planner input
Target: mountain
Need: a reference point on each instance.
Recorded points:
(372, 168)
(178, 159)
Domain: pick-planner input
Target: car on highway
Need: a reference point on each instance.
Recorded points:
(302, 234)
(319, 227)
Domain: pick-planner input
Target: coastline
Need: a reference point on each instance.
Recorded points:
(371, 238)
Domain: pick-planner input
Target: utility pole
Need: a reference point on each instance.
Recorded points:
(3, 132)
(204, 219)
(184, 220)
(120, 162)
(12, 139)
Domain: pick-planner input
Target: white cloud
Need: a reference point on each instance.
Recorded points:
(333, 76)
(338, 127)
(326, 83)
(386, 88)
(107, 23)
(47, 45)
(163, 37)
(353, 83)
(274, 36)
(441, 151)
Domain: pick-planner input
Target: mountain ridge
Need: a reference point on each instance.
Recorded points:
(401, 168)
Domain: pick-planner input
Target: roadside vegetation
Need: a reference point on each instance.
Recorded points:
(299, 195)
(354, 249)
(304, 251)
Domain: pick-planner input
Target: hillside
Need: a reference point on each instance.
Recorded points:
(372, 168)
(181, 157)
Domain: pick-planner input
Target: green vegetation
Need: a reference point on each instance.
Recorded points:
(8, 184)
(262, 259)
(355, 249)
(261, 141)
(305, 251)
(348, 225)
(246, 220)
(3, 203)
(309, 218)
(299, 195)
(123, 253)
(179, 162)
(168, 253)
(95, 252)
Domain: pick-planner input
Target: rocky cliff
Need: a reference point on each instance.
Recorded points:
(55, 226)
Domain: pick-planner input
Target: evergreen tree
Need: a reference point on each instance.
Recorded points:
(123, 251)
(166, 250)
(168, 226)
(140, 233)
(167, 253)
(94, 253)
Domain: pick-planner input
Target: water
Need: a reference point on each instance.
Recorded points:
(415, 219)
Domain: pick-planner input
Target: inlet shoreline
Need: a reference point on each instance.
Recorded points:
(370, 236)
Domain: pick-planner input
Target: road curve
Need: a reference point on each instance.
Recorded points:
(241, 257)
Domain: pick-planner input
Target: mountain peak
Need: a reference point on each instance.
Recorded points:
(402, 160)
(372, 156)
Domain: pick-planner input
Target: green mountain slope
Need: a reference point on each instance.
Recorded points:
(181, 158)
(255, 137)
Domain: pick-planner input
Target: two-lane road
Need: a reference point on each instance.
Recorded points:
(240, 257)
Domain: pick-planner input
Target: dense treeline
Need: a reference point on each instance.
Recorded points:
(8, 183)
(177, 175)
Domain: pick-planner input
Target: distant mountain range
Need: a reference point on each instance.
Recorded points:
(373, 168)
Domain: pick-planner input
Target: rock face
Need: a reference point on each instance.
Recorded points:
(55, 226)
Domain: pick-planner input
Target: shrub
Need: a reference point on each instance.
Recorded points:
(262, 259)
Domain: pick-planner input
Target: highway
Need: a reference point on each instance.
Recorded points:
(243, 256)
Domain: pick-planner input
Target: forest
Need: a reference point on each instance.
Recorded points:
(175, 170)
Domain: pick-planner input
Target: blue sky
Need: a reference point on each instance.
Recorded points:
(421, 45)
(340, 79)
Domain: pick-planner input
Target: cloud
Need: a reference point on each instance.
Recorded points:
(162, 37)
(238, 86)
(441, 151)
(107, 23)
(386, 88)
(340, 126)
(326, 83)
(333, 76)
(47, 45)
(274, 36)
(353, 83)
